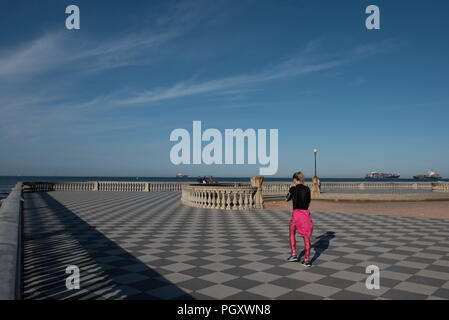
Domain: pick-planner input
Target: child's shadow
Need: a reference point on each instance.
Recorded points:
(321, 244)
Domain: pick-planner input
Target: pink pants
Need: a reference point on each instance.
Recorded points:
(301, 222)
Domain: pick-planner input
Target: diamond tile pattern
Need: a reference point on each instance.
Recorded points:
(149, 246)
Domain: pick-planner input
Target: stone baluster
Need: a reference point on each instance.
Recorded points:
(245, 200)
(206, 198)
(219, 199)
(228, 200)
(234, 200)
(211, 198)
(214, 198)
(251, 200)
(222, 199)
(241, 200)
(203, 204)
(200, 199)
(192, 196)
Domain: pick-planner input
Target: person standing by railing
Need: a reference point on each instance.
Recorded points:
(301, 220)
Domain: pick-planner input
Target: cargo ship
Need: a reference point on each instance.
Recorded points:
(378, 175)
(430, 175)
(180, 175)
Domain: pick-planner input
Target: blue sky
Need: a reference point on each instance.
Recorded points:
(104, 99)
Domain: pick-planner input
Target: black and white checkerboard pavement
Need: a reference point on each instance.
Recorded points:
(149, 246)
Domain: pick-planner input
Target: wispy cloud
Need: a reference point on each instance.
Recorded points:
(306, 62)
(39, 54)
(53, 51)
(32, 92)
(39, 107)
(56, 50)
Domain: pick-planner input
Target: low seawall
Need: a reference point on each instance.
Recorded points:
(10, 245)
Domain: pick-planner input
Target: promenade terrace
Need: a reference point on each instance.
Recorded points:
(148, 245)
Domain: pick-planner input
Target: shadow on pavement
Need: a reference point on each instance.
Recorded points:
(321, 244)
(55, 238)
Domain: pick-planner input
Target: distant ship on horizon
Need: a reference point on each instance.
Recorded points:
(379, 175)
(181, 175)
(430, 175)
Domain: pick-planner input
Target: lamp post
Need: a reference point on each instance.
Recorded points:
(315, 180)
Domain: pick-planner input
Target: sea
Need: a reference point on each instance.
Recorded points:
(8, 182)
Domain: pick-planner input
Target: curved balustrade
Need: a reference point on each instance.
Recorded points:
(224, 197)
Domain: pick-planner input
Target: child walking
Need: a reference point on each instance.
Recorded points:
(301, 220)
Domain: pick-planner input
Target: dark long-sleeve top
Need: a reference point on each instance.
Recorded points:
(300, 194)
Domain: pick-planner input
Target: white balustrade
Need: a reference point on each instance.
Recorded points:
(110, 186)
(283, 187)
(224, 197)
